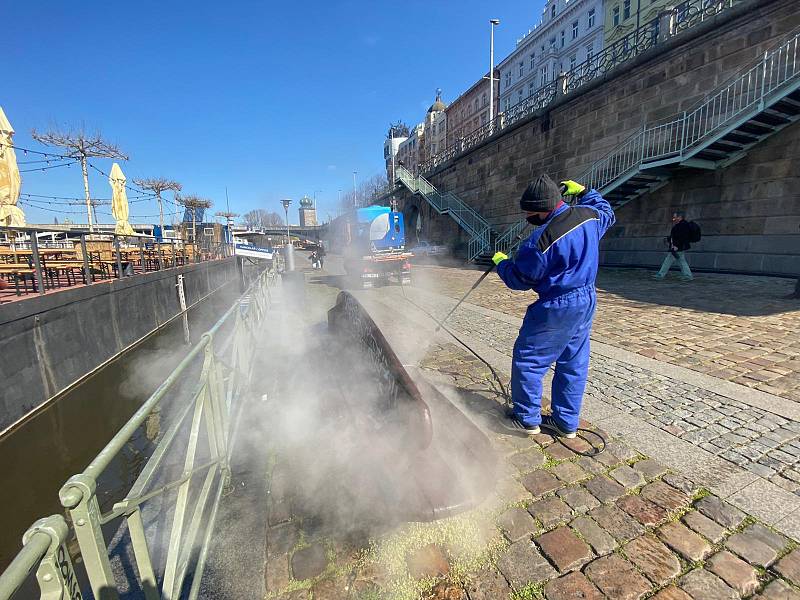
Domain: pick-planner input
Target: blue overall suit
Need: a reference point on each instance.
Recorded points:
(559, 262)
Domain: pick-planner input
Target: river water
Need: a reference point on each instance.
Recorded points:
(43, 451)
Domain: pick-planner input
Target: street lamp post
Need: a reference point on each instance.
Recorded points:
(288, 250)
(355, 195)
(492, 23)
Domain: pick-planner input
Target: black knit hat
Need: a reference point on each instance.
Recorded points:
(542, 195)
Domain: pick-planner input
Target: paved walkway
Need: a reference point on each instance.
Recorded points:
(695, 498)
(736, 328)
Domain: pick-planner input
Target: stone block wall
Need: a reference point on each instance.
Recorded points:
(749, 213)
(49, 342)
(566, 139)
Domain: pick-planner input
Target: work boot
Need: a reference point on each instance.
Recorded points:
(549, 424)
(514, 425)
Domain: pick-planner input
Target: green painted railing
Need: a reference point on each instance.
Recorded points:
(225, 362)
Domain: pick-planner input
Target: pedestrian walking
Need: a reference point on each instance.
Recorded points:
(314, 260)
(321, 255)
(681, 236)
(559, 262)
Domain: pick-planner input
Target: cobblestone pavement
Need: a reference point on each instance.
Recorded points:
(736, 328)
(560, 525)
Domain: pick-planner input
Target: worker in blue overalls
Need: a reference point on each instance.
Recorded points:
(559, 262)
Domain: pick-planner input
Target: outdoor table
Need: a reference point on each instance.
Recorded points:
(17, 270)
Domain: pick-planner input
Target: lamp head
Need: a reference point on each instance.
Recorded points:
(494, 21)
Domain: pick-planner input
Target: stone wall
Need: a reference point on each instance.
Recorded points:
(749, 213)
(49, 342)
(565, 139)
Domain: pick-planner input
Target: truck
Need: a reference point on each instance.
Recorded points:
(373, 246)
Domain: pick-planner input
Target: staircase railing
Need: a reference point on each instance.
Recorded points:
(467, 217)
(777, 71)
(507, 242)
(684, 15)
(217, 368)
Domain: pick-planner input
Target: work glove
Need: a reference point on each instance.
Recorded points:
(571, 188)
(499, 257)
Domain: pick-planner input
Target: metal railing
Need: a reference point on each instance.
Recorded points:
(208, 419)
(48, 265)
(743, 96)
(685, 15)
(507, 242)
(467, 217)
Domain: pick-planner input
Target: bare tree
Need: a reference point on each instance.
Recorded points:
(260, 218)
(194, 203)
(367, 192)
(81, 146)
(159, 185)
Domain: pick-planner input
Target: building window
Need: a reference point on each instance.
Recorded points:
(519, 95)
(615, 15)
(563, 38)
(543, 74)
(553, 11)
(508, 79)
(433, 148)
(552, 43)
(590, 22)
(575, 30)
(484, 118)
(589, 51)
(530, 89)
(485, 101)
(521, 69)
(572, 61)
(507, 104)
(626, 10)
(542, 48)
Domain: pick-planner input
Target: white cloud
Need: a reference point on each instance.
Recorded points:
(331, 167)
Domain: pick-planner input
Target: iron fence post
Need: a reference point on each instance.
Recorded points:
(78, 495)
(683, 133)
(37, 263)
(141, 254)
(143, 562)
(763, 80)
(55, 574)
(174, 258)
(87, 271)
(119, 258)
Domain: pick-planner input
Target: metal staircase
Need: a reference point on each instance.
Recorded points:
(448, 203)
(752, 106)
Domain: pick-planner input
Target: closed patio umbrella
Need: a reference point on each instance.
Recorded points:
(119, 201)
(11, 215)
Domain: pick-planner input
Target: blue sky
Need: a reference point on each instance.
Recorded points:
(270, 99)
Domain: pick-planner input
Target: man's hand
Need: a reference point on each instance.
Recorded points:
(499, 257)
(571, 188)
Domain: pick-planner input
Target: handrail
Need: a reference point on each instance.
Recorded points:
(44, 550)
(685, 133)
(209, 404)
(24, 564)
(468, 218)
(683, 16)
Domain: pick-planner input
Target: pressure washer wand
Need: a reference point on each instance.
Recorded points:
(474, 285)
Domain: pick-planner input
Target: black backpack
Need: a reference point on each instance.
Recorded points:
(694, 232)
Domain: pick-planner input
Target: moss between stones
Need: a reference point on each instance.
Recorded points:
(532, 591)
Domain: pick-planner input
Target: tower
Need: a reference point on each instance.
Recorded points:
(308, 213)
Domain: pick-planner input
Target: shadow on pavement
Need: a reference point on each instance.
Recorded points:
(738, 295)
